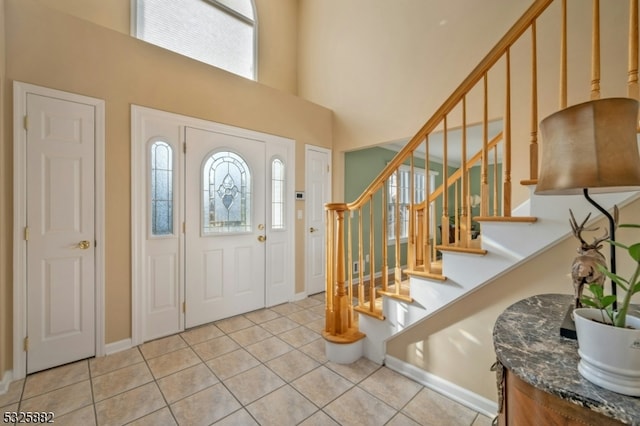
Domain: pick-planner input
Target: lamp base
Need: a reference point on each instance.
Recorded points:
(568, 327)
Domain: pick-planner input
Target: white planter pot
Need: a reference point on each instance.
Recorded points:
(609, 356)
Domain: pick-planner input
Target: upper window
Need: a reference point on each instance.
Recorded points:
(218, 32)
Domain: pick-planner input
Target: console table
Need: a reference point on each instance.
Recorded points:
(537, 369)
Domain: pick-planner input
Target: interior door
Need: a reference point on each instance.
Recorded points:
(60, 232)
(225, 225)
(318, 183)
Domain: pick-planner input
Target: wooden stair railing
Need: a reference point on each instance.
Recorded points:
(390, 230)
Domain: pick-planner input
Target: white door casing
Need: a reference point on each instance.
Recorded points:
(58, 201)
(318, 188)
(278, 274)
(225, 264)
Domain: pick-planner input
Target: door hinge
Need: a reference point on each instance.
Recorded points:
(184, 227)
(26, 233)
(328, 168)
(26, 122)
(184, 307)
(26, 344)
(184, 147)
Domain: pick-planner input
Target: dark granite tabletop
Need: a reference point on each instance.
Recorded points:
(527, 341)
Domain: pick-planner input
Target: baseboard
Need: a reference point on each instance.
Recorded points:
(450, 390)
(119, 346)
(7, 378)
(299, 296)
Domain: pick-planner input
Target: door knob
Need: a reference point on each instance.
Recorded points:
(312, 229)
(84, 244)
(262, 238)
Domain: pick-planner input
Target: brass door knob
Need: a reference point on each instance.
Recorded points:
(84, 244)
(262, 238)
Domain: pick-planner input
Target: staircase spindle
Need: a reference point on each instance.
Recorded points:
(484, 185)
(429, 247)
(632, 83)
(506, 152)
(372, 257)
(496, 182)
(533, 144)
(397, 270)
(465, 232)
(385, 237)
(595, 51)
(411, 240)
(444, 221)
(361, 295)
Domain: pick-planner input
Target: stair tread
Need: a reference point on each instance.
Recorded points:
(470, 250)
(518, 219)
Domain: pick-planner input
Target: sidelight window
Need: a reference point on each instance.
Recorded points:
(277, 193)
(161, 189)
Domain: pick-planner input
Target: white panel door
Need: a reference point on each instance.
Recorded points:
(225, 226)
(61, 232)
(318, 183)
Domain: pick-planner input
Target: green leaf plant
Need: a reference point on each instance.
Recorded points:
(604, 302)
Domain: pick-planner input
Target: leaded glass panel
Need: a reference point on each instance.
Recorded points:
(226, 202)
(277, 193)
(161, 189)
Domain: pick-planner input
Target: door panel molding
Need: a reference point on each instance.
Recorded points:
(20, 93)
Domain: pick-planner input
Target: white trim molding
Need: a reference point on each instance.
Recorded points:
(444, 387)
(7, 378)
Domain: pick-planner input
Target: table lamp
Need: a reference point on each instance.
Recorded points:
(591, 148)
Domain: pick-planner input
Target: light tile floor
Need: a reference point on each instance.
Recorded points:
(266, 367)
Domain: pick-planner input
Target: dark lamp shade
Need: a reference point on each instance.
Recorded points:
(590, 145)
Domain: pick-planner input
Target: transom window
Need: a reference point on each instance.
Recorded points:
(221, 33)
(226, 201)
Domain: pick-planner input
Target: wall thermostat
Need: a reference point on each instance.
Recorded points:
(299, 195)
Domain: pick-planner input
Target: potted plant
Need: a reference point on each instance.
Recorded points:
(608, 338)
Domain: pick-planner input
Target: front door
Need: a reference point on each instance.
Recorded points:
(60, 233)
(225, 225)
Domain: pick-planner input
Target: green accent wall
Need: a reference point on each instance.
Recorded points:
(361, 168)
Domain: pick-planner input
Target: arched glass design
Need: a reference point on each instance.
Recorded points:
(226, 198)
(161, 188)
(277, 194)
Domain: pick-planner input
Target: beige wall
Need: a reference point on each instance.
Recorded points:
(53, 49)
(457, 344)
(385, 67)
(277, 38)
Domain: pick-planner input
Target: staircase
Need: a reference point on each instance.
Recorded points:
(403, 221)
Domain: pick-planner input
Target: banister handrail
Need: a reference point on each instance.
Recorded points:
(467, 84)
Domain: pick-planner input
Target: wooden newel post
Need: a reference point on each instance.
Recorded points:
(339, 307)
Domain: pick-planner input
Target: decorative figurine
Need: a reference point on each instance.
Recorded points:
(584, 269)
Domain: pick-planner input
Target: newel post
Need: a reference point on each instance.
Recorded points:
(338, 309)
